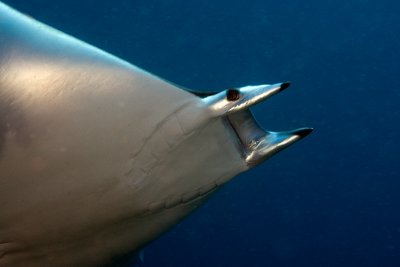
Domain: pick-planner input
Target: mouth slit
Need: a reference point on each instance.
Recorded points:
(247, 130)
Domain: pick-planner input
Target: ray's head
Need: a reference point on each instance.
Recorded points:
(255, 143)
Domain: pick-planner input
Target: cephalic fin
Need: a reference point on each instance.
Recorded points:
(273, 142)
(234, 100)
(259, 144)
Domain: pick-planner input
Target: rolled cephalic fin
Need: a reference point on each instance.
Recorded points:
(234, 100)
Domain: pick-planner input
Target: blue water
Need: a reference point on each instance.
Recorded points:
(330, 200)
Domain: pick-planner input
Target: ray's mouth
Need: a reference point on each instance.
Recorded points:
(255, 143)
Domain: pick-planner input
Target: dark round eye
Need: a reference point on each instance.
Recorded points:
(232, 94)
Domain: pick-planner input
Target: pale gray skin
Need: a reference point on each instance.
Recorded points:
(98, 157)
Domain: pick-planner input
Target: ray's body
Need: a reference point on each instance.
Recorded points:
(98, 157)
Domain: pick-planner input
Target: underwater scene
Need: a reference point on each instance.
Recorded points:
(330, 200)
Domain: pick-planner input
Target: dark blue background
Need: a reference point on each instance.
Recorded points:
(331, 200)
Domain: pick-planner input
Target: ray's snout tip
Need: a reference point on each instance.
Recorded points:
(303, 132)
(284, 85)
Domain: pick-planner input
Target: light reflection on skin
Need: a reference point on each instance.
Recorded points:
(269, 145)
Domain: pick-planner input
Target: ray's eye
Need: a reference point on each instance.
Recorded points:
(232, 94)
